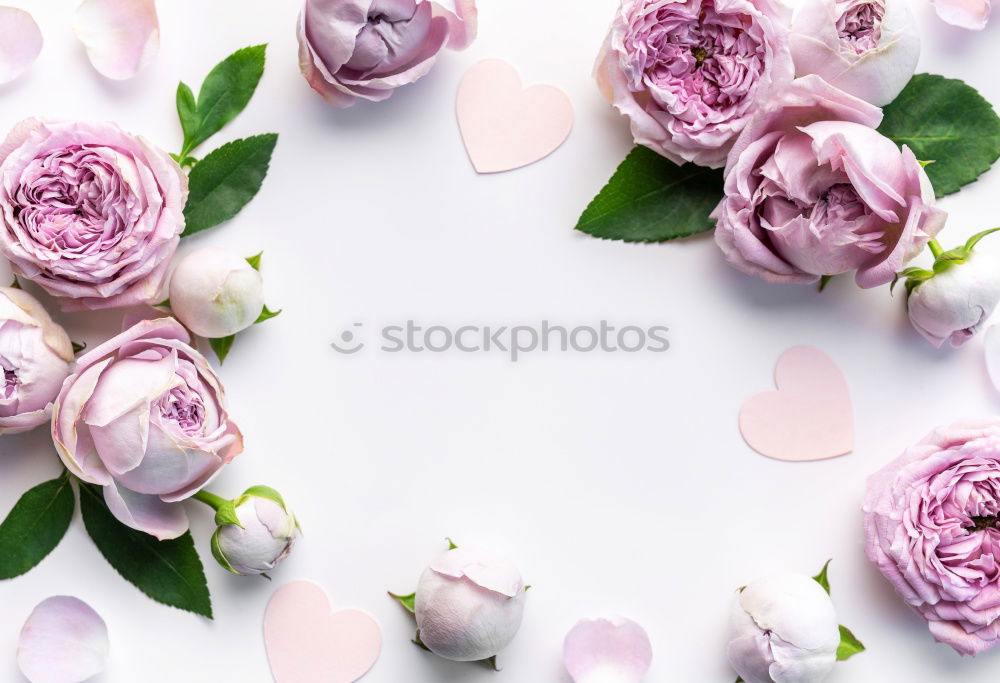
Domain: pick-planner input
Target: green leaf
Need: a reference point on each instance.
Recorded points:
(652, 199)
(169, 572)
(849, 645)
(35, 526)
(224, 93)
(822, 578)
(254, 260)
(226, 180)
(409, 602)
(266, 315)
(221, 346)
(949, 122)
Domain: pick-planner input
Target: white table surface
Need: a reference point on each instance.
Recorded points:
(619, 483)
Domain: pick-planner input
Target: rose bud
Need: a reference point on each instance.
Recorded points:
(954, 300)
(468, 605)
(255, 533)
(783, 628)
(689, 74)
(144, 416)
(36, 356)
(867, 48)
(88, 212)
(365, 49)
(215, 293)
(813, 190)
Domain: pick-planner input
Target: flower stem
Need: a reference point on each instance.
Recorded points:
(210, 499)
(936, 248)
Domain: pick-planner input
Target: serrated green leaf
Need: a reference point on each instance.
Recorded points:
(849, 645)
(226, 180)
(651, 199)
(35, 525)
(169, 572)
(948, 121)
(822, 578)
(409, 602)
(266, 314)
(221, 346)
(224, 93)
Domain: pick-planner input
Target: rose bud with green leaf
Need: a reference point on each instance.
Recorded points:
(953, 300)
(783, 628)
(256, 531)
(468, 605)
(36, 356)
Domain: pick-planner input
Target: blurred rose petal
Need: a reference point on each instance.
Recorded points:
(614, 650)
(20, 42)
(970, 14)
(991, 342)
(121, 36)
(63, 641)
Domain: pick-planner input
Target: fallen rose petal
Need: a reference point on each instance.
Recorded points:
(615, 650)
(20, 42)
(970, 14)
(63, 641)
(121, 36)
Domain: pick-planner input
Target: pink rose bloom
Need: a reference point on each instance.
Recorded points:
(931, 524)
(35, 355)
(350, 49)
(689, 74)
(144, 416)
(89, 212)
(813, 189)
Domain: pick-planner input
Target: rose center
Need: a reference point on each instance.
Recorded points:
(700, 54)
(860, 26)
(183, 408)
(981, 523)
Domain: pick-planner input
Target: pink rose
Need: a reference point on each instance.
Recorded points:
(35, 355)
(350, 49)
(144, 416)
(813, 189)
(689, 74)
(89, 212)
(931, 524)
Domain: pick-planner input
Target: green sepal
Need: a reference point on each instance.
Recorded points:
(943, 261)
(419, 643)
(490, 663)
(451, 543)
(78, 347)
(265, 492)
(822, 579)
(409, 602)
(221, 346)
(266, 315)
(225, 514)
(15, 284)
(824, 281)
(219, 557)
(254, 260)
(163, 304)
(849, 645)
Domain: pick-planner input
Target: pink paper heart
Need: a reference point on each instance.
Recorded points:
(505, 125)
(307, 642)
(808, 418)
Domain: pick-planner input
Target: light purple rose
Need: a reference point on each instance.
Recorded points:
(145, 417)
(931, 526)
(350, 49)
(35, 355)
(812, 189)
(89, 212)
(689, 74)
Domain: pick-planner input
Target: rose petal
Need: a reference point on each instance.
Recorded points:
(20, 42)
(991, 344)
(64, 640)
(146, 513)
(463, 19)
(970, 14)
(121, 36)
(615, 650)
(483, 569)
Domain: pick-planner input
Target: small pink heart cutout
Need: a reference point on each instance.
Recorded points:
(505, 125)
(307, 642)
(808, 418)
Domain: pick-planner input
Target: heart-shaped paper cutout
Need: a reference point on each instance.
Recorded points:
(505, 125)
(808, 418)
(307, 642)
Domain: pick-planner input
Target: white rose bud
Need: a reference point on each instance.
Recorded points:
(783, 629)
(867, 48)
(469, 605)
(215, 293)
(953, 305)
(256, 532)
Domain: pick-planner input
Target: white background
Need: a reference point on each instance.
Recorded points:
(619, 483)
